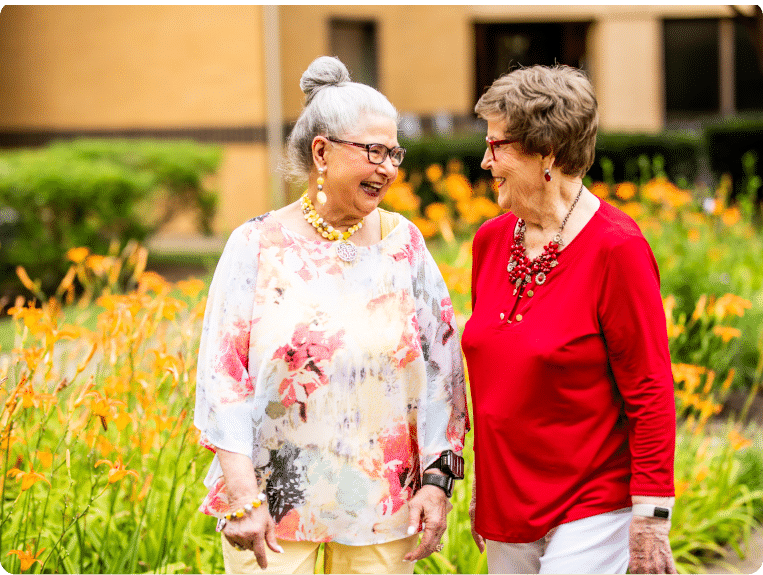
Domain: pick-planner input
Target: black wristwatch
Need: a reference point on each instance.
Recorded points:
(444, 482)
(450, 464)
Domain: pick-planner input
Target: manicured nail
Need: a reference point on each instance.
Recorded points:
(279, 549)
(411, 530)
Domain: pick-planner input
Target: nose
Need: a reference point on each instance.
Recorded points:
(487, 159)
(387, 168)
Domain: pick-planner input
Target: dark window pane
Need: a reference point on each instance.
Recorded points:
(501, 47)
(354, 43)
(749, 79)
(691, 65)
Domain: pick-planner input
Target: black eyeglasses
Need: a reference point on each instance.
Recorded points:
(377, 153)
(493, 144)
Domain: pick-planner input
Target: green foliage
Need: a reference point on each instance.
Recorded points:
(92, 193)
(628, 157)
(728, 142)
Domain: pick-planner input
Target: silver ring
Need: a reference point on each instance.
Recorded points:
(439, 547)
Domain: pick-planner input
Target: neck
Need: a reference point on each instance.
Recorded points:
(547, 213)
(332, 213)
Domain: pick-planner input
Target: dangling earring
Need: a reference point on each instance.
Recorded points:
(547, 174)
(321, 195)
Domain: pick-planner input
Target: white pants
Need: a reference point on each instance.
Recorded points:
(597, 544)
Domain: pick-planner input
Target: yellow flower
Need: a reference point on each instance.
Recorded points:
(45, 458)
(26, 558)
(400, 198)
(633, 209)
(98, 263)
(458, 187)
(436, 211)
(28, 478)
(427, 228)
(625, 191)
(77, 255)
(730, 304)
(433, 173)
(694, 235)
(738, 441)
(117, 470)
(729, 379)
(600, 189)
(191, 287)
(731, 216)
(152, 281)
(726, 333)
(699, 309)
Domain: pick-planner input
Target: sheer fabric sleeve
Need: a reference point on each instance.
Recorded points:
(633, 323)
(446, 418)
(224, 385)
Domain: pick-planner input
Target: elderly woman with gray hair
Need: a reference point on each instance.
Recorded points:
(330, 380)
(567, 350)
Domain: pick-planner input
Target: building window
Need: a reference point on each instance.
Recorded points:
(354, 43)
(710, 69)
(501, 47)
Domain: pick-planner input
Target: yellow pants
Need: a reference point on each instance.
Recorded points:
(300, 557)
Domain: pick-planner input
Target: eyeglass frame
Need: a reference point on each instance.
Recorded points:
(367, 148)
(493, 144)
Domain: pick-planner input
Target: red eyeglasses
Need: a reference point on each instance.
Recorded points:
(493, 144)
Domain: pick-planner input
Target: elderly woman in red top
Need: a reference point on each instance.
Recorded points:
(567, 351)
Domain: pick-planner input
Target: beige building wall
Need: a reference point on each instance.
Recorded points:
(143, 67)
(425, 53)
(69, 68)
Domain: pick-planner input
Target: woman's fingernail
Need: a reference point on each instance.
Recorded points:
(411, 530)
(280, 549)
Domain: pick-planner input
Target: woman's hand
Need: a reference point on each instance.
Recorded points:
(650, 546)
(253, 531)
(256, 528)
(478, 539)
(429, 506)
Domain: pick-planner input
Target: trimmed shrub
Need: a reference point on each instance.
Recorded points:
(93, 193)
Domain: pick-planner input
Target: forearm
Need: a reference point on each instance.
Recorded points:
(240, 479)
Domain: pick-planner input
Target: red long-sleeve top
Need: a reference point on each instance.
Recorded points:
(573, 403)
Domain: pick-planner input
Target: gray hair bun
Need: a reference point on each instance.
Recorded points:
(324, 71)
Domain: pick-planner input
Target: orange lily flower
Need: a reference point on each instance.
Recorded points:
(28, 478)
(26, 557)
(117, 470)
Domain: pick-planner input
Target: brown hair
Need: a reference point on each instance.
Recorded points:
(549, 110)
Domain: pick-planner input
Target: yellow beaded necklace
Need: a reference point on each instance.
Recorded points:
(323, 227)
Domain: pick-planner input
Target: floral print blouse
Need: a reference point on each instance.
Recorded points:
(342, 381)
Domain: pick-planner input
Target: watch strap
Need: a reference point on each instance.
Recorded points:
(444, 482)
(649, 510)
(449, 463)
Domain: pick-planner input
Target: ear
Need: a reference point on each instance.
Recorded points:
(320, 150)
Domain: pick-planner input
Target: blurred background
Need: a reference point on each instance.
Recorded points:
(134, 139)
(229, 75)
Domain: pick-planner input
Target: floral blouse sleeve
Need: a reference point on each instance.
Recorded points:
(225, 386)
(445, 417)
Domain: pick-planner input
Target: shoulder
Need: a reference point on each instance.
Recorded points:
(615, 228)
(495, 231)
(621, 243)
(248, 235)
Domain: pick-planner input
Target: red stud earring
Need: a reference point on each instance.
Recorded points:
(547, 174)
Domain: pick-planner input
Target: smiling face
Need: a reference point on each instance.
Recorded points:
(516, 175)
(354, 185)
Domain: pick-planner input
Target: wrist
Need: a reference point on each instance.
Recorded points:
(651, 510)
(444, 482)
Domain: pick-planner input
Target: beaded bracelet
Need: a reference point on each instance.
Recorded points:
(238, 513)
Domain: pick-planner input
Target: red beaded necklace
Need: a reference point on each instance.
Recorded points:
(521, 269)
